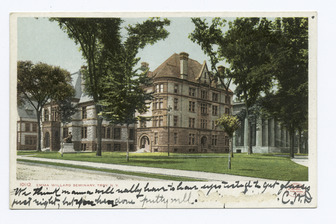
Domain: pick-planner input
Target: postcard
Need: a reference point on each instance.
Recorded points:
(163, 110)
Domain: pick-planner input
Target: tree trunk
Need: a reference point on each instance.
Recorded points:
(299, 142)
(229, 161)
(99, 129)
(231, 146)
(249, 127)
(291, 143)
(250, 151)
(127, 143)
(38, 114)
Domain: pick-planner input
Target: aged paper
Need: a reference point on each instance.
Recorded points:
(47, 183)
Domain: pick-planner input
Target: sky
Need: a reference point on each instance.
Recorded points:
(40, 40)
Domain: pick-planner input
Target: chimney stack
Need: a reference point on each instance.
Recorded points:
(184, 65)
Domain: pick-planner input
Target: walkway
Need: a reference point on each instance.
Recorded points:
(170, 172)
(302, 160)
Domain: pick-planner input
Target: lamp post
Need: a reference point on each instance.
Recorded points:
(168, 110)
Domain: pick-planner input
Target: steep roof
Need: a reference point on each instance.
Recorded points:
(26, 110)
(171, 68)
(76, 83)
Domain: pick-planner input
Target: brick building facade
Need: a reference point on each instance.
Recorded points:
(186, 102)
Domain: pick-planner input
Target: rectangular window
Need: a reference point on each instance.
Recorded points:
(143, 124)
(27, 127)
(30, 140)
(191, 106)
(191, 122)
(156, 138)
(103, 131)
(175, 88)
(84, 113)
(215, 97)
(204, 108)
(155, 121)
(34, 127)
(46, 115)
(160, 121)
(191, 139)
(227, 141)
(227, 110)
(84, 132)
(192, 92)
(108, 132)
(159, 88)
(204, 94)
(214, 110)
(204, 123)
(213, 125)
(214, 140)
(155, 104)
(131, 147)
(109, 147)
(227, 99)
(175, 138)
(131, 134)
(175, 121)
(175, 104)
(160, 104)
(116, 147)
(116, 133)
(83, 147)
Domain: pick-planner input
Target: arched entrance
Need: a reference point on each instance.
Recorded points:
(46, 140)
(144, 144)
(203, 144)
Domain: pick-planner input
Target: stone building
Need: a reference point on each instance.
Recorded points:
(83, 126)
(268, 136)
(186, 102)
(26, 127)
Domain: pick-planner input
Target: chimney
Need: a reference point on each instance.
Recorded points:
(184, 65)
(144, 66)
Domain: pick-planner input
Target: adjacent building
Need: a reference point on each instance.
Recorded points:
(268, 136)
(26, 127)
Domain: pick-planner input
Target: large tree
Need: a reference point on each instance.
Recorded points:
(106, 53)
(125, 86)
(246, 47)
(289, 102)
(41, 83)
(99, 40)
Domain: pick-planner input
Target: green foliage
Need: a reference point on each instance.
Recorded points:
(124, 86)
(209, 37)
(99, 40)
(41, 83)
(110, 77)
(66, 109)
(289, 102)
(228, 123)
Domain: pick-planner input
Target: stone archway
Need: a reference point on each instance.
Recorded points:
(144, 144)
(46, 140)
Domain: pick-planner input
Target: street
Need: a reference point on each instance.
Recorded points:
(32, 171)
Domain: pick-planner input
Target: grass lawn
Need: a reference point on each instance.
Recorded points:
(256, 165)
